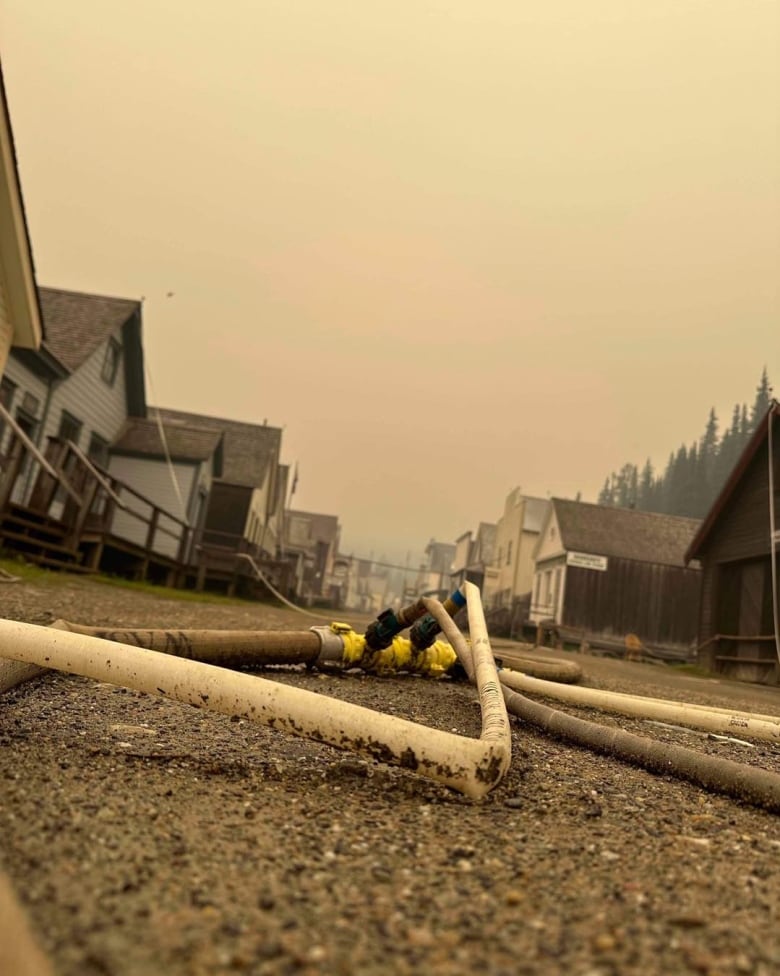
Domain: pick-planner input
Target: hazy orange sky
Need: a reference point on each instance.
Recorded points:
(451, 247)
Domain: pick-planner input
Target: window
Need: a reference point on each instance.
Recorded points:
(7, 391)
(98, 450)
(111, 361)
(70, 427)
(509, 553)
(30, 405)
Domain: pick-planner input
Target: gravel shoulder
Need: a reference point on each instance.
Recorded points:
(144, 836)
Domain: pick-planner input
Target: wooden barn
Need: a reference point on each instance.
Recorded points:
(736, 546)
(603, 574)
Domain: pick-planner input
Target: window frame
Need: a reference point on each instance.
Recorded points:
(111, 361)
(103, 444)
(69, 419)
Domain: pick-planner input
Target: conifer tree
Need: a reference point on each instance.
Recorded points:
(605, 497)
(645, 498)
(708, 455)
(693, 475)
(761, 402)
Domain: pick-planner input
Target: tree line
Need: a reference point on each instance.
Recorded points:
(694, 473)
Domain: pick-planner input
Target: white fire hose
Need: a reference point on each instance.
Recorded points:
(472, 766)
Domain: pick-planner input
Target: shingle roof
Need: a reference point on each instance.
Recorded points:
(142, 436)
(624, 532)
(76, 323)
(248, 449)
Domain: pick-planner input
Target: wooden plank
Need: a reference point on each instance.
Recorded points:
(33, 449)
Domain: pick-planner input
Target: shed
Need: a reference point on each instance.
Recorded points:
(737, 545)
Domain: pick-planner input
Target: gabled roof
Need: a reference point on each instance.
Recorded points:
(16, 258)
(623, 532)
(760, 435)
(141, 437)
(249, 450)
(76, 323)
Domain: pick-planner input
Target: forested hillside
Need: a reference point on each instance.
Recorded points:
(694, 473)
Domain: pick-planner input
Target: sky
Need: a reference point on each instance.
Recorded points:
(449, 247)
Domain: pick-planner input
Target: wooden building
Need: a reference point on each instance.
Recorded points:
(434, 575)
(474, 560)
(173, 468)
(245, 509)
(20, 317)
(736, 546)
(602, 574)
(517, 535)
(314, 538)
(85, 380)
(87, 482)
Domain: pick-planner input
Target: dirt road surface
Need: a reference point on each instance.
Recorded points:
(147, 837)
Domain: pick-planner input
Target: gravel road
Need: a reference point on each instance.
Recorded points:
(147, 837)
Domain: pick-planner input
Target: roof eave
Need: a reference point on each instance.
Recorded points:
(41, 362)
(15, 248)
(135, 383)
(694, 549)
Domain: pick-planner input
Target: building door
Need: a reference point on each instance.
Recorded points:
(751, 599)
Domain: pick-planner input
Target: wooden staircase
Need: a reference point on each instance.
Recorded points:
(40, 538)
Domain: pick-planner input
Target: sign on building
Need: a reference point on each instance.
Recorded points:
(586, 561)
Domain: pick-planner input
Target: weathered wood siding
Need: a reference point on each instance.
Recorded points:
(6, 325)
(740, 533)
(26, 382)
(659, 604)
(152, 478)
(101, 408)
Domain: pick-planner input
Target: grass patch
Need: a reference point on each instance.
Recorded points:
(49, 577)
(168, 592)
(27, 571)
(695, 670)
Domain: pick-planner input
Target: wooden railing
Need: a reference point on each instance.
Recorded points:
(71, 488)
(770, 660)
(119, 510)
(20, 448)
